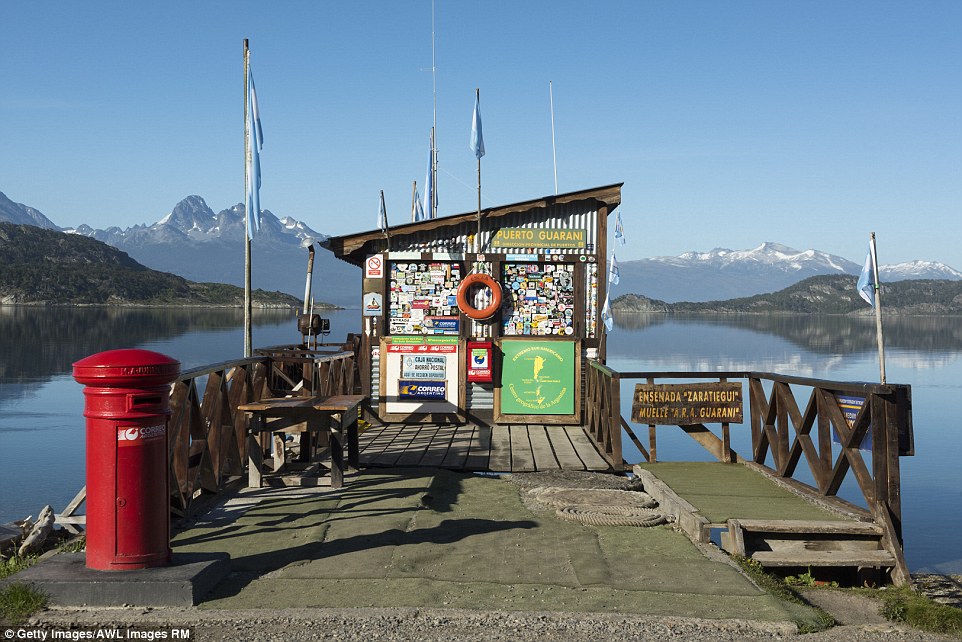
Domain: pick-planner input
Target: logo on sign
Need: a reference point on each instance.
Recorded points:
(134, 435)
(422, 390)
(479, 358)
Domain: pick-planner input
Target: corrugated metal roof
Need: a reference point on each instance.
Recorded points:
(573, 210)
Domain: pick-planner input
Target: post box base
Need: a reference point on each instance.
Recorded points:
(127, 563)
(68, 582)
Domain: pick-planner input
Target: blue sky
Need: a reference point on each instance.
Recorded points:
(731, 123)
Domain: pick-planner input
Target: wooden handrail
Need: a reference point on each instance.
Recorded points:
(207, 434)
(784, 432)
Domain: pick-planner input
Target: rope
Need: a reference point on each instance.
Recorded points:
(611, 515)
(557, 497)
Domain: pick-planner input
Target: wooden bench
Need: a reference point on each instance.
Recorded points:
(334, 417)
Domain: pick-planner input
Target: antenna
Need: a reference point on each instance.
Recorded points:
(432, 210)
(554, 154)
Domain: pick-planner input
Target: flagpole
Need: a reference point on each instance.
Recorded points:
(434, 178)
(414, 198)
(434, 149)
(248, 334)
(878, 312)
(554, 153)
(477, 98)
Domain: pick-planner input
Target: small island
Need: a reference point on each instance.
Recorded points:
(827, 294)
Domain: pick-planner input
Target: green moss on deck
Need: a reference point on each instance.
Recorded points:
(724, 491)
(437, 538)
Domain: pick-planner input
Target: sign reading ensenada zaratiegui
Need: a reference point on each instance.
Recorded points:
(683, 404)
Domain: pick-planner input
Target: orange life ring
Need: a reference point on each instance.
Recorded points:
(467, 308)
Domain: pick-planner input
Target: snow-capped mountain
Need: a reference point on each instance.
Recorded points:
(194, 242)
(918, 270)
(726, 274)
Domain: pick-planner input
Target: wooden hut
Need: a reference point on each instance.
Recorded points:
(484, 318)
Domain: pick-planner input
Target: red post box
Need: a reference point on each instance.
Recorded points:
(128, 491)
(479, 361)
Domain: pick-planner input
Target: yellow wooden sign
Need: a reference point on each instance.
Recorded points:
(521, 237)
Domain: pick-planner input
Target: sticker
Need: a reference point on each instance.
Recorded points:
(373, 304)
(422, 389)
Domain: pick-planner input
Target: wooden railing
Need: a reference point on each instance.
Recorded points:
(207, 435)
(603, 413)
(784, 431)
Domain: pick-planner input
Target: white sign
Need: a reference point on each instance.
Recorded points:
(424, 366)
(374, 267)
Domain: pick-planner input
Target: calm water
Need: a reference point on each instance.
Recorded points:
(42, 428)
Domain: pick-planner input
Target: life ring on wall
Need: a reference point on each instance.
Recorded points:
(468, 309)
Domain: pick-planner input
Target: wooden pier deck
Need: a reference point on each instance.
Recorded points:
(499, 449)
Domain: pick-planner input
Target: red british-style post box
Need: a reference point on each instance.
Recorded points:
(128, 490)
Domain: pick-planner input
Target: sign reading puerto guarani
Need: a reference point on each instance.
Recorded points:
(684, 404)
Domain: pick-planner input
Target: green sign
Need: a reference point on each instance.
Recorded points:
(538, 377)
(515, 237)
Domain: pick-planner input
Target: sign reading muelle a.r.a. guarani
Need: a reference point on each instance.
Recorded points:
(684, 404)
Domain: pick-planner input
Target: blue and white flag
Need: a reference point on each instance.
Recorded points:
(477, 140)
(614, 276)
(382, 215)
(417, 213)
(867, 281)
(254, 144)
(606, 315)
(619, 229)
(429, 197)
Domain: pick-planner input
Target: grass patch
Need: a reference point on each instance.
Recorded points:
(16, 564)
(18, 602)
(76, 545)
(901, 604)
(777, 587)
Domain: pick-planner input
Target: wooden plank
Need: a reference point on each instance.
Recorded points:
(438, 449)
(824, 558)
(585, 449)
(460, 446)
(384, 439)
(544, 458)
(809, 526)
(500, 457)
(418, 446)
(369, 436)
(393, 451)
(563, 450)
(480, 449)
(522, 459)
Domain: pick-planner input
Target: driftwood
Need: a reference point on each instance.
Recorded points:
(39, 532)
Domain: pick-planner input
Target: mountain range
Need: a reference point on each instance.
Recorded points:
(728, 274)
(49, 267)
(195, 242)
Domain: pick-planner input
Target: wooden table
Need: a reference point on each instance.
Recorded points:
(335, 415)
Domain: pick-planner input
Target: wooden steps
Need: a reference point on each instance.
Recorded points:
(800, 543)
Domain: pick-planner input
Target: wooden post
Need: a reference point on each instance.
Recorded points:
(652, 438)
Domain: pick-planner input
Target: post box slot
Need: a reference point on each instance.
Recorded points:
(141, 402)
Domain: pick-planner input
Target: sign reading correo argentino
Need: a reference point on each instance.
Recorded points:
(684, 404)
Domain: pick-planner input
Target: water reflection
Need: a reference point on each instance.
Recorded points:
(39, 343)
(919, 342)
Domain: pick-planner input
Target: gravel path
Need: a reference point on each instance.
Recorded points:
(448, 625)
